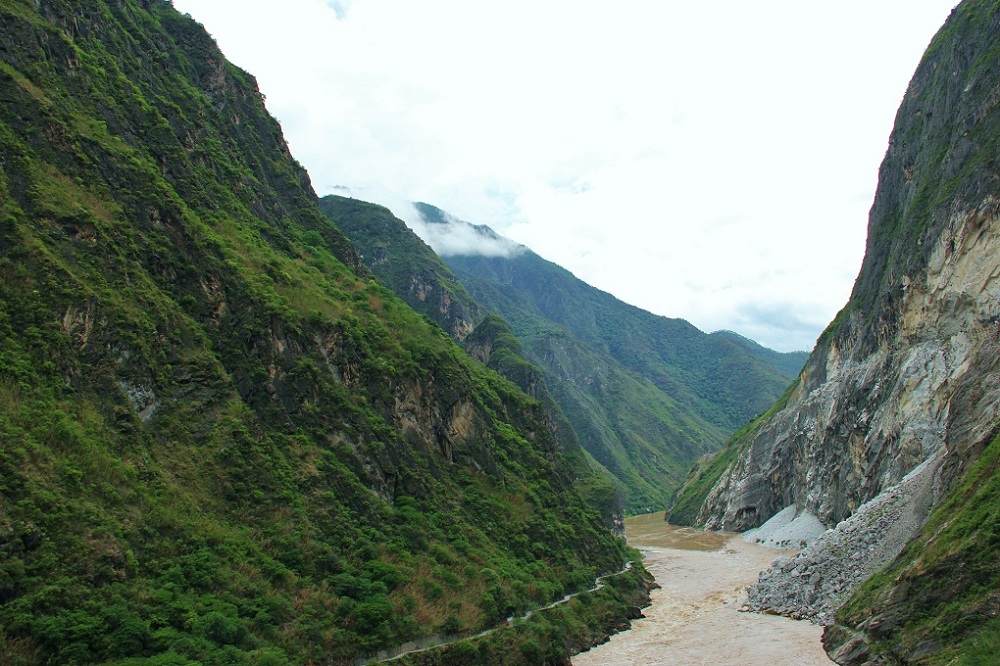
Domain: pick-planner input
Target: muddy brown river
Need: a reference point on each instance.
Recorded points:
(694, 618)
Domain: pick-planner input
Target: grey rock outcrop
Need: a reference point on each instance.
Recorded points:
(813, 583)
(864, 418)
(908, 375)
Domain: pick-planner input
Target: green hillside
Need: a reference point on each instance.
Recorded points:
(713, 378)
(645, 396)
(629, 429)
(221, 441)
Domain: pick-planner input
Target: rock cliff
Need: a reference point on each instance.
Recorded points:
(908, 375)
(909, 368)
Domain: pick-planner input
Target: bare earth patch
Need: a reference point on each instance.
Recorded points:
(695, 617)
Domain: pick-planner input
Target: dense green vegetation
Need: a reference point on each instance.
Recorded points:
(937, 603)
(647, 395)
(709, 376)
(787, 363)
(405, 264)
(549, 637)
(221, 442)
(644, 396)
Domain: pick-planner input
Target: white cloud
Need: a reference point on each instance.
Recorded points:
(458, 238)
(700, 160)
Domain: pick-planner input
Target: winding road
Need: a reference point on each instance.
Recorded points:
(432, 642)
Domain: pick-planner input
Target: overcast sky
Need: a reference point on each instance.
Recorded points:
(713, 161)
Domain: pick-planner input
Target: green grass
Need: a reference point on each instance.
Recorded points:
(941, 590)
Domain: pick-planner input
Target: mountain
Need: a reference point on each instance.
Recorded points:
(643, 392)
(639, 419)
(787, 363)
(891, 436)
(405, 264)
(221, 440)
(712, 375)
(413, 271)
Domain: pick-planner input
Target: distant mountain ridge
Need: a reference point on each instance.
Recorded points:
(641, 420)
(788, 363)
(690, 365)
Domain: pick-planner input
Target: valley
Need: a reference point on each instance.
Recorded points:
(243, 425)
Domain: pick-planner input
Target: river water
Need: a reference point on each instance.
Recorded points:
(694, 618)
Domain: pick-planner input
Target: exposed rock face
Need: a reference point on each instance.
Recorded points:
(862, 419)
(909, 372)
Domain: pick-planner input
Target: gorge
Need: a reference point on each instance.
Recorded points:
(240, 424)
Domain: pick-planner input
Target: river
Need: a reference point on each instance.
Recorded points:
(694, 618)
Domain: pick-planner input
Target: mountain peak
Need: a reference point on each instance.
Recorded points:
(451, 237)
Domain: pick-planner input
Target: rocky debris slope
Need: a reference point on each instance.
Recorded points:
(813, 583)
(788, 529)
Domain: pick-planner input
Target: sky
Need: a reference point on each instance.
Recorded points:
(712, 161)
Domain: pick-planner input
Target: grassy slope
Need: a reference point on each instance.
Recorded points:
(708, 375)
(938, 602)
(202, 456)
(411, 269)
(404, 263)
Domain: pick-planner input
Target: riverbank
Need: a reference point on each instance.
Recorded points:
(695, 616)
(544, 635)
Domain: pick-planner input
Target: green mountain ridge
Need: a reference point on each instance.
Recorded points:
(640, 420)
(221, 440)
(718, 380)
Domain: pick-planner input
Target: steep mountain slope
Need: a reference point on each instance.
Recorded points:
(707, 374)
(901, 396)
(787, 363)
(647, 395)
(405, 264)
(642, 435)
(221, 441)
(411, 269)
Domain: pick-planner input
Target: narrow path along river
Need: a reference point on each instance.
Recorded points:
(694, 617)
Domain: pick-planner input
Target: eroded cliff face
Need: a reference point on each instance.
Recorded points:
(908, 375)
(862, 419)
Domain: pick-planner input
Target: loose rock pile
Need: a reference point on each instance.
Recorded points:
(815, 582)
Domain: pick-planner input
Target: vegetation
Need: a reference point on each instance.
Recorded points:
(222, 442)
(405, 264)
(644, 396)
(937, 603)
(551, 636)
(647, 395)
(411, 269)
(706, 375)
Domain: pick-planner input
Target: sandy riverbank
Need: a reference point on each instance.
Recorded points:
(695, 619)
